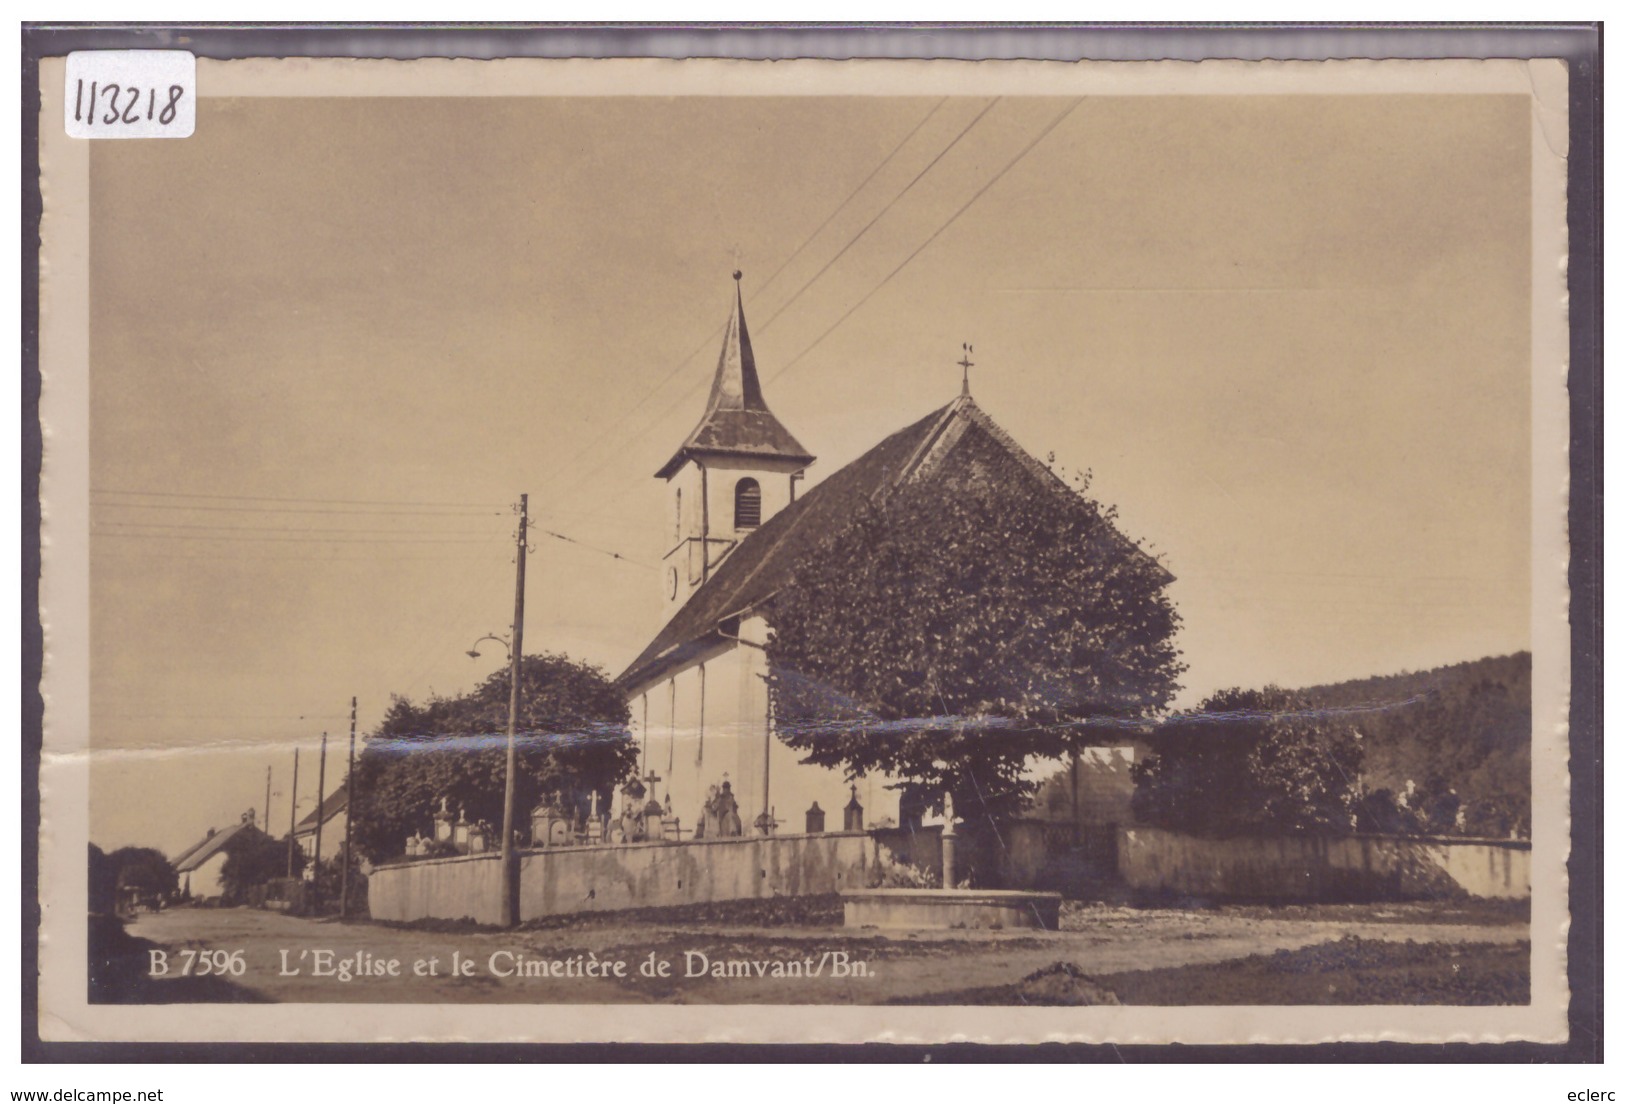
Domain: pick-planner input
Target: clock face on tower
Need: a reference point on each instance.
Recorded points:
(671, 582)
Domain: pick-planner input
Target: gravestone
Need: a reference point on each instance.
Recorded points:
(854, 813)
(595, 825)
(654, 820)
(630, 826)
(727, 812)
(549, 827)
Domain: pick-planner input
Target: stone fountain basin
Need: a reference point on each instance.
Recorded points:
(951, 908)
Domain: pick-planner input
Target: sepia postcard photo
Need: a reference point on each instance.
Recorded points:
(727, 551)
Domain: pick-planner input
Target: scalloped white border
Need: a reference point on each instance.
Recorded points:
(64, 357)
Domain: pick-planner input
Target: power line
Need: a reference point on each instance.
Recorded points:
(284, 529)
(426, 657)
(898, 148)
(889, 276)
(302, 540)
(1028, 148)
(223, 716)
(699, 384)
(158, 530)
(711, 337)
(894, 200)
(595, 548)
(234, 557)
(298, 510)
(296, 498)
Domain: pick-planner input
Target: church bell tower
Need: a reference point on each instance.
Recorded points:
(731, 475)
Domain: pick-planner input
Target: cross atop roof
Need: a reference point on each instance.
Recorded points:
(967, 364)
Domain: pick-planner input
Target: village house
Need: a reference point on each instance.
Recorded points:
(737, 530)
(200, 866)
(330, 817)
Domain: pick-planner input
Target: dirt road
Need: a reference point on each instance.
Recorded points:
(291, 959)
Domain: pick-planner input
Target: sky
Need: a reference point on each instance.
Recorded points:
(333, 340)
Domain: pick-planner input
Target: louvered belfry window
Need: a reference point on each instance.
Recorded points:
(747, 504)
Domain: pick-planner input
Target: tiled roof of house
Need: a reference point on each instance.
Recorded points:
(334, 804)
(210, 846)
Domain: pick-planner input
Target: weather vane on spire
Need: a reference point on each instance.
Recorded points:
(967, 364)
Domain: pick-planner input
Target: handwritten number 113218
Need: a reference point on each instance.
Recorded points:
(125, 104)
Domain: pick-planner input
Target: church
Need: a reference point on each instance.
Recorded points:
(738, 525)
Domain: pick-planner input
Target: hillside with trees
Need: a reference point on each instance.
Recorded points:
(1440, 752)
(1464, 728)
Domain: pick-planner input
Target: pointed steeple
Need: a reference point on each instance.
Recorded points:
(736, 386)
(737, 421)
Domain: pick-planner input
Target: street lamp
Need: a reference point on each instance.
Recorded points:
(474, 652)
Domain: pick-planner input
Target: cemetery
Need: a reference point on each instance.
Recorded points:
(639, 860)
(892, 877)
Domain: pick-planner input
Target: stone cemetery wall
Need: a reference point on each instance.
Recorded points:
(642, 875)
(920, 848)
(1322, 868)
(1021, 854)
(645, 875)
(637, 875)
(445, 889)
(1028, 852)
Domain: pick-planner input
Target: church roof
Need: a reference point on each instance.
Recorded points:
(764, 561)
(737, 421)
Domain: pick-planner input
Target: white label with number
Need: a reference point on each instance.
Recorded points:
(131, 94)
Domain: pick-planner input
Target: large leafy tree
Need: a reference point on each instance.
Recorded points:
(1252, 762)
(254, 858)
(101, 887)
(143, 869)
(965, 624)
(573, 741)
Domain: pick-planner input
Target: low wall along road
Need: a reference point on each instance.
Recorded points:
(563, 880)
(1323, 868)
(638, 875)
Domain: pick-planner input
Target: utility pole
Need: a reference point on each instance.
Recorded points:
(316, 862)
(268, 799)
(508, 913)
(1077, 808)
(764, 823)
(293, 810)
(349, 821)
